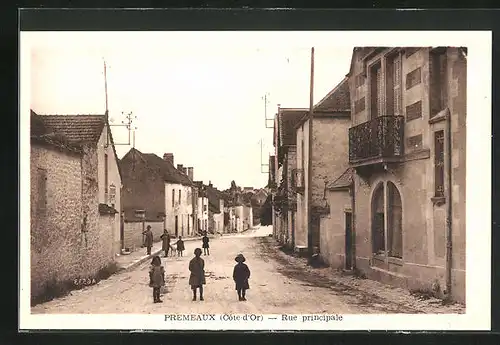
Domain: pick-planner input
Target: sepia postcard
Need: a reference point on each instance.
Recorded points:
(334, 180)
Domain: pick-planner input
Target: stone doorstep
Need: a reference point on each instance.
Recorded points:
(135, 263)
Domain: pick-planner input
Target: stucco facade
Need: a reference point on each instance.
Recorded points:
(422, 207)
(179, 209)
(202, 213)
(110, 183)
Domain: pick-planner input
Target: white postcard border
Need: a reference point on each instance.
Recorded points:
(478, 206)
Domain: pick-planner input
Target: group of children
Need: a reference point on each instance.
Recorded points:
(241, 275)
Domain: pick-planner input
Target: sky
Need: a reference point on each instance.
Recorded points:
(199, 97)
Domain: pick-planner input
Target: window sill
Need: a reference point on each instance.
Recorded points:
(395, 261)
(440, 116)
(392, 260)
(438, 200)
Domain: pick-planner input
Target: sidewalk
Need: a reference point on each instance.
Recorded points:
(130, 261)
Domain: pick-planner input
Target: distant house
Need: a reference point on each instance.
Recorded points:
(75, 199)
(163, 192)
(202, 209)
(216, 209)
(259, 197)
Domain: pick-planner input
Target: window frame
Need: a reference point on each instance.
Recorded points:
(390, 232)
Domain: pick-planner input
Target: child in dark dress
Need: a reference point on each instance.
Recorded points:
(156, 278)
(241, 274)
(180, 246)
(205, 246)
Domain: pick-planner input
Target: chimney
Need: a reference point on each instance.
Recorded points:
(179, 167)
(210, 184)
(190, 173)
(169, 157)
(184, 170)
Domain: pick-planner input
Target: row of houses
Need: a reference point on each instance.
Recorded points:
(88, 206)
(164, 196)
(373, 176)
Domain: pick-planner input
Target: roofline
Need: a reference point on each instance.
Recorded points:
(335, 89)
(334, 114)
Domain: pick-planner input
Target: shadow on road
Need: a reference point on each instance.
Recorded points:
(294, 268)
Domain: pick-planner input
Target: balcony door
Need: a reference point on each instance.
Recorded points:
(376, 91)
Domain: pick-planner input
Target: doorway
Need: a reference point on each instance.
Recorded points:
(176, 226)
(293, 229)
(348, 240)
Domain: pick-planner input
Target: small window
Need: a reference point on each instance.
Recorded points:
(413, 78)
(439, 163)
(179, 196)
(173, 197)
(414, 111)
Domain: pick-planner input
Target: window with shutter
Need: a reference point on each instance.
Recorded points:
(397, 85)
(380, 86)
(439, 163)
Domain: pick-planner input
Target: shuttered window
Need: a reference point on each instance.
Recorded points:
(439, 163)
(397, 85)
(380, 87)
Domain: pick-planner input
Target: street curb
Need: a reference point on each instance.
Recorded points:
(140, 261)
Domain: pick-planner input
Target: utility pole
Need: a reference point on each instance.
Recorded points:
(106, 113)
(262, 164)
(309, 168)
(265, 98)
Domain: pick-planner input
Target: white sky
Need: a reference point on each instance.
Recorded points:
(198, 95)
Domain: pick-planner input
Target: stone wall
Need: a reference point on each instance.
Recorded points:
(68, 240)
(133, 237)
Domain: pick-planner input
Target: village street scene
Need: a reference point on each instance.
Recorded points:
(344, 194)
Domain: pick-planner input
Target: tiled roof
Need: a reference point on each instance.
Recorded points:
(288, 119)
(77, 129)
(213, 196)
(336, 100)
(169, 172)
(39, 133)
(343, 181)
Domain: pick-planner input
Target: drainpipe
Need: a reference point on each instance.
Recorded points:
(353, 225)
(449, 200)
(309, 161)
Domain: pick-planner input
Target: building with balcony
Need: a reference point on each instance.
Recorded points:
(322, 154)
(400, 214)
(285, 205)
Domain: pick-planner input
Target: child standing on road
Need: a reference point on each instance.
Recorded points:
(241, 274)
(156, 278)
(180, 246)
(205, 246)
(197, 276)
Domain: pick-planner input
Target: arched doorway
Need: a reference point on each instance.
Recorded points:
(387, 224)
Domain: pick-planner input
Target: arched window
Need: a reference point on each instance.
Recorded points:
(378, 220)
(395, 226)
(387, 237)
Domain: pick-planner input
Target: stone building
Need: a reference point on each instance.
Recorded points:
(319, 157)
(75, 199)
(401, 204)
(162, 191)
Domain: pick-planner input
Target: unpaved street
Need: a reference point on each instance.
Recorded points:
(276, 286)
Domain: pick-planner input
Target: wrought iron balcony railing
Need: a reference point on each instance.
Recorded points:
(378, 140)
